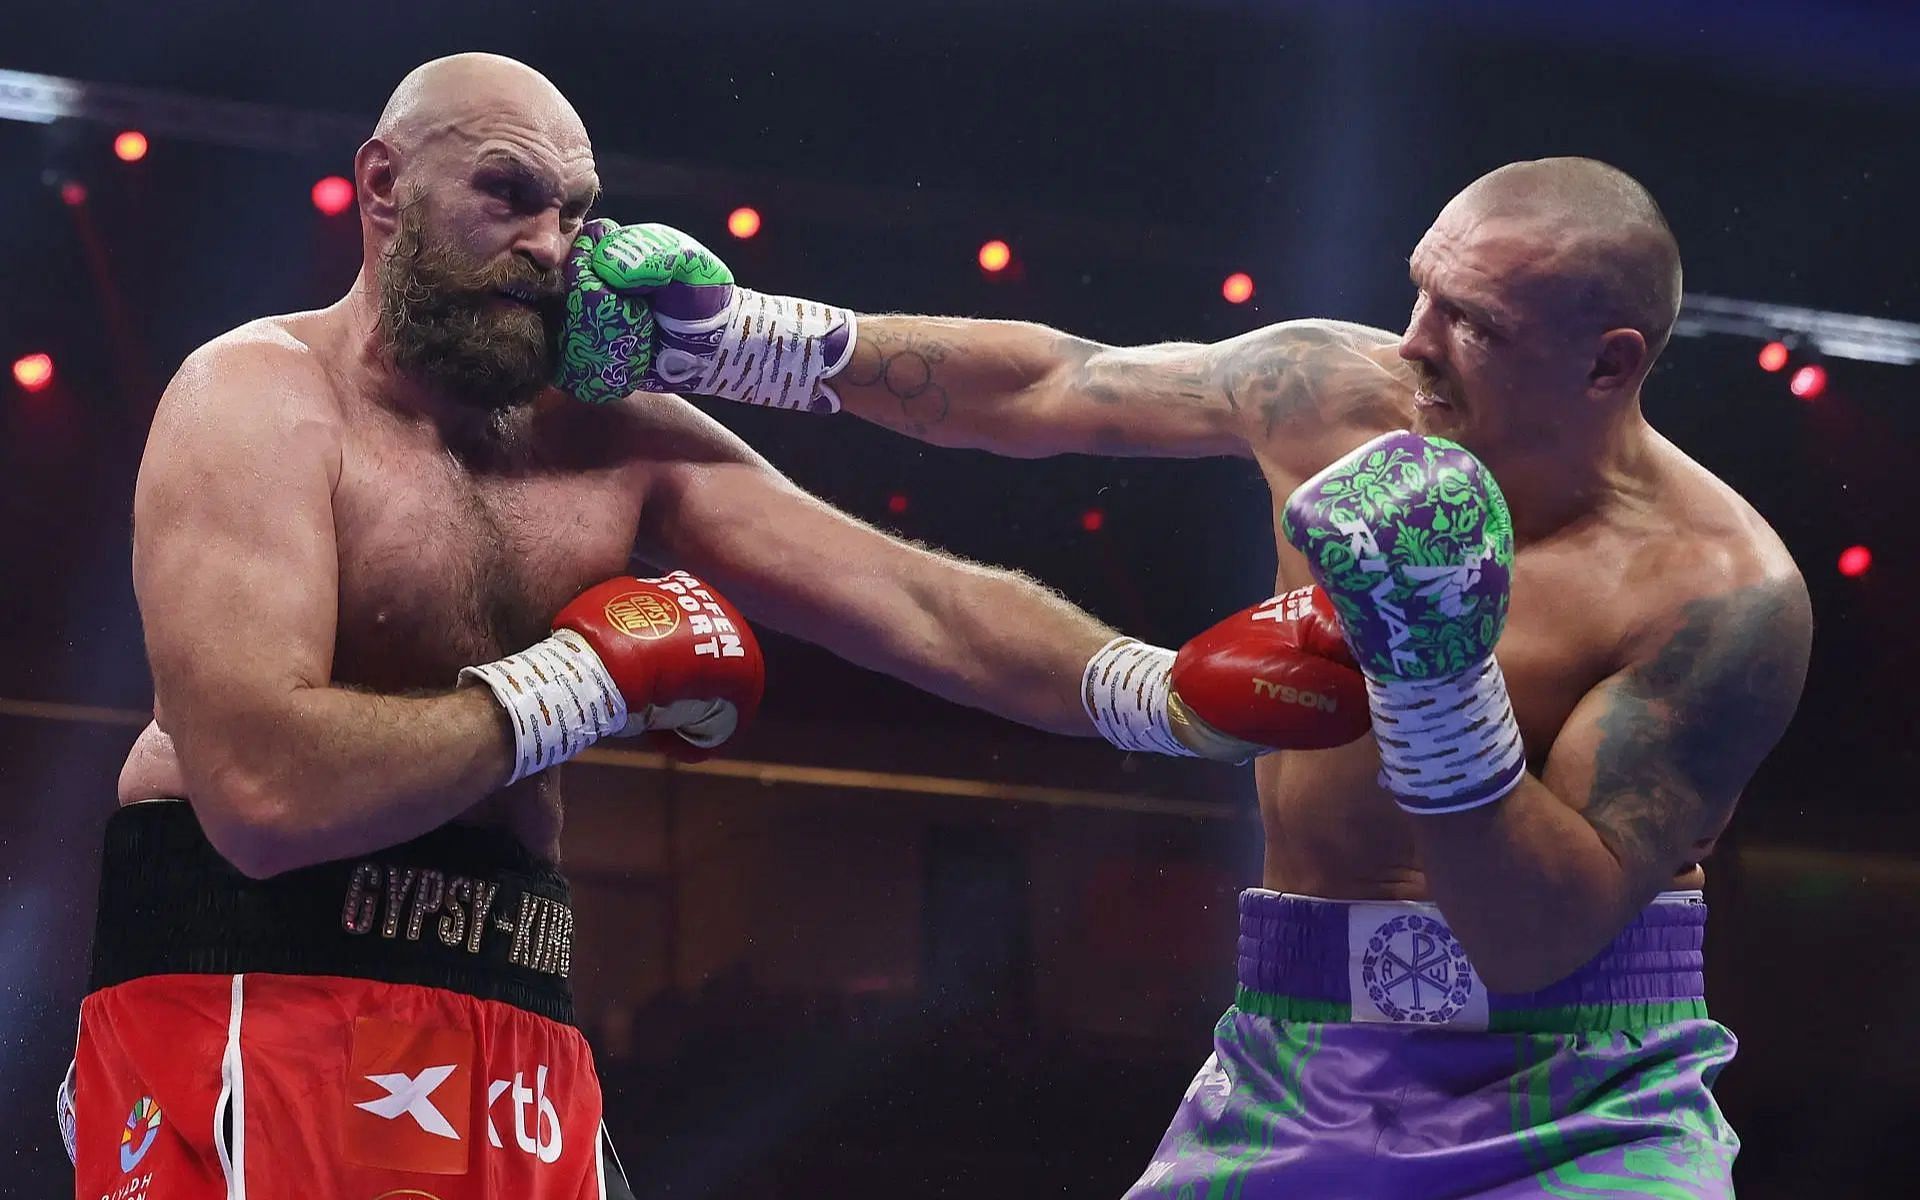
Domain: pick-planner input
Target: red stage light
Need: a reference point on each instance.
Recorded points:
(73, 193)
(1238, 288)
(897, 503)
(333, 195)
(995, 255)
(1808, 382)
(1092, 519)
(33, 372)
(1855, 560)
(743, 222)
(1773, 356)
(130, 146)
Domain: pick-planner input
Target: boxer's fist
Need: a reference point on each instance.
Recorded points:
(650, 309)
(682, 657)
(689, 289)
(645, 309)
(1411, 538)
(603, 341)
(1276, 676)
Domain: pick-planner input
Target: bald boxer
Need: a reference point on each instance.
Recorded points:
(382, 569)
(1473, 968)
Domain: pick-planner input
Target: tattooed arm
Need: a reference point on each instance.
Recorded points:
(1029, 391)
(1641, 780)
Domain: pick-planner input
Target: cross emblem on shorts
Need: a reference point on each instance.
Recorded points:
(1430, 964)
(1413, 969)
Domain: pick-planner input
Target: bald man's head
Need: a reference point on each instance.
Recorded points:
(1606, 255)
(474, 184)
(1547, 289)
(450, 97)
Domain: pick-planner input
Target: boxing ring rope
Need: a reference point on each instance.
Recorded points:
(766, 772)
(44, 99)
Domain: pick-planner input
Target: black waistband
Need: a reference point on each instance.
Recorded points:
(462, 908)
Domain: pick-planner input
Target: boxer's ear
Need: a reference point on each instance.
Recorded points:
(1619, 362)
(374, 180)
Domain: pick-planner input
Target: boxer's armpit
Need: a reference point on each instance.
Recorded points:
(1681, 733)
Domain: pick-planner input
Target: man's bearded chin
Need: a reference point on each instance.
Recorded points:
(442, 319)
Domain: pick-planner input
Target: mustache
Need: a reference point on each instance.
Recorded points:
(438, 274)
(446, 279)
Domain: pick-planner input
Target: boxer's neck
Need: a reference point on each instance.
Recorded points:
(1584, 471)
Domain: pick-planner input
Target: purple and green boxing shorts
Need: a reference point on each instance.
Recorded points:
(1364, 1058)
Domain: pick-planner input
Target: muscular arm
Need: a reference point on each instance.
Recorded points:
(236, 571)
(1642, 778)
(1028, 391)
(977, 635)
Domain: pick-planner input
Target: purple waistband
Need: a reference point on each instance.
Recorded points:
(1298, 946)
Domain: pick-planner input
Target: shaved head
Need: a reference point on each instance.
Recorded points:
(1544, 292)
(451, 95)
(1605, 251)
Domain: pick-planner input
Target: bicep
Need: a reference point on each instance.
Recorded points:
(1281, 388)
(234, 559)
(1028, 391)
(1139, 401)
(1297, 388)
(1656, 756)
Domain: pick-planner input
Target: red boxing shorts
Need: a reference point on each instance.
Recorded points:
(392, 1028)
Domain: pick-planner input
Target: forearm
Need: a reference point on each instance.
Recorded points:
(1027, 391)
(1527, 884)
(996, 640)
(957, 382)
(331, 772)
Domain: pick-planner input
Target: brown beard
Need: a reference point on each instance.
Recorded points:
(441, 318)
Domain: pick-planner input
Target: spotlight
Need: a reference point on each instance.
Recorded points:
(1238, 288)
(1773, 356)
(33, 372)
(994, 256)
(333, 195)
(897, 503)
(73, 193)
(1855, 560)
(130, 146)
(1808, 382)
(743, 222)
(1092, 519)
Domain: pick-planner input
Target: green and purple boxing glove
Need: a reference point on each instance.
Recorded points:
(1411, 539)
(650, 309)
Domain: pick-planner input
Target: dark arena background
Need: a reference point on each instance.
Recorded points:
(892, 947)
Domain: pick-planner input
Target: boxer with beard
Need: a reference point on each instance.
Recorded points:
(383, 573)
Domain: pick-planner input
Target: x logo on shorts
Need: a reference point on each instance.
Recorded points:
(413, 1096)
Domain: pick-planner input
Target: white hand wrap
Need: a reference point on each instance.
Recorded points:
(1450, 744)
(1125, 689)
(560, 697)
(772, 352)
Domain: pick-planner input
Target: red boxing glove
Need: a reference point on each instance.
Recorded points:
(683, 658)
(1277, 676)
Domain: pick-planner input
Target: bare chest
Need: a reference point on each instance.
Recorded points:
(446, 561)
(1330, 828)
(1563, 630)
